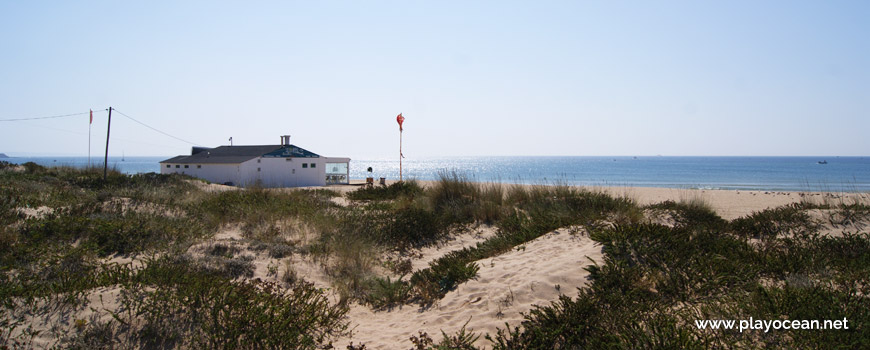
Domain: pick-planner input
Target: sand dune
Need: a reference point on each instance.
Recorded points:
(535, 273)
(456, 242)
(508, 285)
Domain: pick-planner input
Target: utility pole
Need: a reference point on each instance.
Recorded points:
(106, 159)
(90, 123)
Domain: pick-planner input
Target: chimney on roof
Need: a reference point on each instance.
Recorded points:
(285, 140)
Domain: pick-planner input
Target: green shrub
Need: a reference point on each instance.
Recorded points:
(564, 324)
(395, 190)
(442, 276)
(400, 228)
(33, 168)
(453, 197)
(184, 308)
(254, 206)
(850, 214)
(679, 263)
(809, 303)
(771, 223)
(413, 227)
(384, 293)
(60, 275)
(696, 214)
(463, 339)
(226, 265)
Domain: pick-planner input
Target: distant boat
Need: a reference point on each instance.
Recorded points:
(823, 162)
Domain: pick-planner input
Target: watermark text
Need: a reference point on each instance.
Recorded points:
(768, 325)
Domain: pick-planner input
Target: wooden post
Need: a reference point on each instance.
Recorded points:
(106, 159)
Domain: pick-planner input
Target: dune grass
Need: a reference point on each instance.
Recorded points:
(395, 190)
(653, 283)
(656, 281)
(53, 260)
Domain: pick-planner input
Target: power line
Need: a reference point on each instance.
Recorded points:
(152, 128)
(49, 117)
(55, 129)
(86, 134)
(95, 111)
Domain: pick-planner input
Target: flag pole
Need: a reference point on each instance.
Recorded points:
(400, 154)
(400, 119)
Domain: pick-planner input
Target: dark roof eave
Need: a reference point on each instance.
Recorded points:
(241, 154)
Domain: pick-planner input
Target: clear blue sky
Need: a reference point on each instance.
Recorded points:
(472, 78)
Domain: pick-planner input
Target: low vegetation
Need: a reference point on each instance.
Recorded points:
(61, 229)
(395, 190)
(68, 238)
(657, 281)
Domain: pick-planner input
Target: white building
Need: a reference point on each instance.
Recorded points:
(283, 165)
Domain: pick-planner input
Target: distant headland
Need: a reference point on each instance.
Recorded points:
(3, 155)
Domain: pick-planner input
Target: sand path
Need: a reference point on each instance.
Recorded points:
(533, 274)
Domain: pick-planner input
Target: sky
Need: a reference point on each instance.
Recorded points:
(472, 78)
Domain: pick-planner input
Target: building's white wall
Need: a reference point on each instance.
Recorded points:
(281, 172)
(215, 173)
(273, 172)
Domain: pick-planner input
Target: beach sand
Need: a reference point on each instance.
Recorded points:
(533, 274)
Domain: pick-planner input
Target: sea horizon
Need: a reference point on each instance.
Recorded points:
(765, 173)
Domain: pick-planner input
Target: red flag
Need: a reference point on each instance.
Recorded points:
(400, 119)
(92, 116)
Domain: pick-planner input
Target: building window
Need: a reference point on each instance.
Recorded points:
(258, 160)
(186, 166)
(258, 169)
(313, 165)
(177, 166)
(199, 166)
(304, 165)
(168, 165)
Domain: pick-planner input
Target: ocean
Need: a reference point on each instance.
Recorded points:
(850, 174)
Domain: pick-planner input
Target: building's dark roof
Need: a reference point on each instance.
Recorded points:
(292, 151)
(240, 154)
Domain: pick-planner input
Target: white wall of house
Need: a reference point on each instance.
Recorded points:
(284, 172)
(267, 171)
(215, 173)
